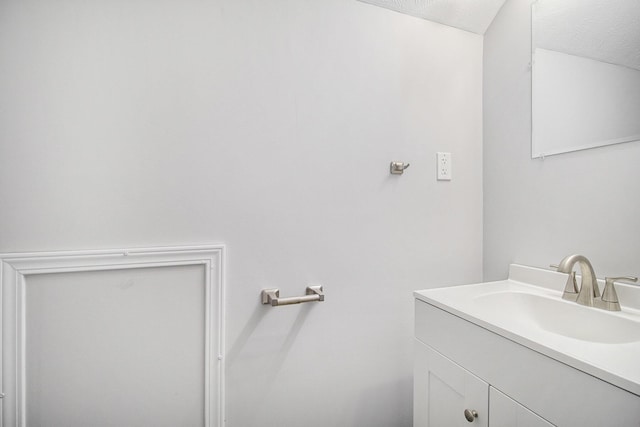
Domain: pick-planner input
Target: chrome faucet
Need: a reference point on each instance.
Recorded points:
(588, 289)
(589, 293)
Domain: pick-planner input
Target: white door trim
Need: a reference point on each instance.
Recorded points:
(15, 269)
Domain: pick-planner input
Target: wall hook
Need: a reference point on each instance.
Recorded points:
(397, 168)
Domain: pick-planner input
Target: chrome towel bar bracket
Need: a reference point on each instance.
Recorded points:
(272, 296)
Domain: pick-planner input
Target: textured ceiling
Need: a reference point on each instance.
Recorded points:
(469, 15)
(607, 31)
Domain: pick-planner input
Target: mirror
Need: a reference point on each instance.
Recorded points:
(585, 74)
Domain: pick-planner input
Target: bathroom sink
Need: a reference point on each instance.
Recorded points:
(559, 316)
(528, 309)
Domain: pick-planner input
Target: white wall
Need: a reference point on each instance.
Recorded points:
(267, 126)
(538, 211)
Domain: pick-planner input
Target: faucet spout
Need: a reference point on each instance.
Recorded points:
(589, 287)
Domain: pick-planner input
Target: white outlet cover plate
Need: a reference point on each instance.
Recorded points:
(444, 166)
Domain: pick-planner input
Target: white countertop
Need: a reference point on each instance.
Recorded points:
(615, 358)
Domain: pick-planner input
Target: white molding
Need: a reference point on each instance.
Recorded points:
(15, 269)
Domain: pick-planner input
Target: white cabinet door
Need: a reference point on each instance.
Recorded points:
(443, 391)
(506, 412)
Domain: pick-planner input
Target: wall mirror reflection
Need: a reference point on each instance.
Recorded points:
(585, 74)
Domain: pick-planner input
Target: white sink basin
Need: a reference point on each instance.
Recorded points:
(528, 308)
(561, 317)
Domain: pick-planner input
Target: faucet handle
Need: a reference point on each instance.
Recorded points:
(609, 295)
(625, 278)
(571, 288)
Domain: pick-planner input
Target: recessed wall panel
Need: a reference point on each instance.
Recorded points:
(116, 348)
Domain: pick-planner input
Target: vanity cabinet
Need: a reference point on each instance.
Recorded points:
(445, 394)
(462, 366)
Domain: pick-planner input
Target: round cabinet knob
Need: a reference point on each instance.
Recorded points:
(470, 415)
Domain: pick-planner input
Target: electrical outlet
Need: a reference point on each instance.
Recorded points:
(444, 166)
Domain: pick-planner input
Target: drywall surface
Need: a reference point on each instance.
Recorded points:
(538, 211)
(269, 127)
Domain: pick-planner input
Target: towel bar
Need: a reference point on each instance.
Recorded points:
(272, 296)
